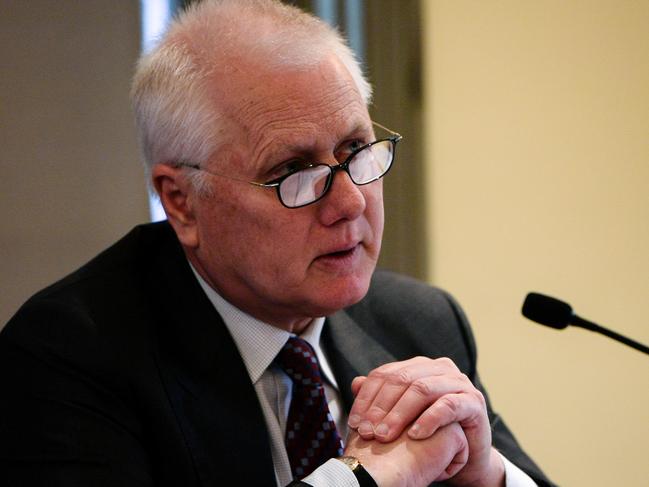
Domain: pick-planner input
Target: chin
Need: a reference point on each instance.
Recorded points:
(347, 291)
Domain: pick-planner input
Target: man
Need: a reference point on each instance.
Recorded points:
(204, 348)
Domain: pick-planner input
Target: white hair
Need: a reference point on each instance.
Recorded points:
(177, 119)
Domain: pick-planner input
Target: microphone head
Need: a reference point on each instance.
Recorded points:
(547, 311)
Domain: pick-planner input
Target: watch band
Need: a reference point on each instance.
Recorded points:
(362, 475)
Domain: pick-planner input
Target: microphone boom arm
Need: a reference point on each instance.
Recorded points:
(589, 325)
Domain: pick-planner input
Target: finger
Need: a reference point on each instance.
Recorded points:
(357, 383)
(466, 409)
(386, 398)
(364, 397)
(456, 454)
(458, 462)
(380, 392)
(416, 399)
(396, 379)
(375, 399)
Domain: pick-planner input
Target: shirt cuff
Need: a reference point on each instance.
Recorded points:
(514, 476)
(332, 472)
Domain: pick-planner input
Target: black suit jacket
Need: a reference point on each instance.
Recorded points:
(123, 373)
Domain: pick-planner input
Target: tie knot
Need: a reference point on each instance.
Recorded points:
(298, 359)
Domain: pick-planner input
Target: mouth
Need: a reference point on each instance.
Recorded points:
(343, 253)
(342, 257)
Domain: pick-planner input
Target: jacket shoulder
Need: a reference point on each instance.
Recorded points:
(124, 256)
(415, 318)
(91, 311)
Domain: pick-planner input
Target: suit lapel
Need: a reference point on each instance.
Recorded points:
(206, 381)
(351, 352)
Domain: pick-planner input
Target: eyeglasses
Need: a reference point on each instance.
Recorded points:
(310, 182)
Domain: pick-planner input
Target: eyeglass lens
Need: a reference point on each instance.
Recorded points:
(308, 185)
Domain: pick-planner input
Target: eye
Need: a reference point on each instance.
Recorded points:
(289, 167)
(348, 148)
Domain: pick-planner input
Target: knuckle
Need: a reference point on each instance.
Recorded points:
(448, 405)
(401, 377)
(375, 374)
(449, 364)
(445, 361)
(481, 399)
(422, 387)
(459, 438)
(363, 402)
(358, 381)
(394, 418)
(364, 396)
(454, 435)
(376, 411)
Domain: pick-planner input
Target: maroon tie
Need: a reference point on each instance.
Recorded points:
(311, 436)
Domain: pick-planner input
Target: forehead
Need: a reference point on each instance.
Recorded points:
(308, 109)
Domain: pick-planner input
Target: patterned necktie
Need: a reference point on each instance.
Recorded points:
(311, 436)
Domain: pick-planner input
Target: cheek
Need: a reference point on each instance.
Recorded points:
(225, 231)
(374, 209)
(255, 237)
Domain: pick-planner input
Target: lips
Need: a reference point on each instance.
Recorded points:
(342, 250)
(341, 253)
(341, 259)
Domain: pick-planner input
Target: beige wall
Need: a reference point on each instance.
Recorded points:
(538, 167)
(71, 181)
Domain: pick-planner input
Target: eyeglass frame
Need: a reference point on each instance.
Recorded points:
(343, 166)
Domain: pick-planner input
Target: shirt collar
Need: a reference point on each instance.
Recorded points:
(258, 342)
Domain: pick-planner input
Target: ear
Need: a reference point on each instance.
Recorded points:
(176, 196)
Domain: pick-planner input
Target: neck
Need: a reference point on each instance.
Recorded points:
(293, 325)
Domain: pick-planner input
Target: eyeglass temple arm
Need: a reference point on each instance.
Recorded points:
(396, 134)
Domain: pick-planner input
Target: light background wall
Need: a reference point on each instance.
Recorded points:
(537, 132)
(70, 180)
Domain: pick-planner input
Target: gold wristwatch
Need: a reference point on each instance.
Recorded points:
(363, 477)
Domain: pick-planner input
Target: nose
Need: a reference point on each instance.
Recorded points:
(343, 201)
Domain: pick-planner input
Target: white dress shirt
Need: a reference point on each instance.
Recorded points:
(259, 343)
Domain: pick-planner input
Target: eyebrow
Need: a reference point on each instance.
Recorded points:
(360, 128)
(287, 150)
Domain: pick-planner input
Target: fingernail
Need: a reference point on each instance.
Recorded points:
(415, 432)
(365, 429)
(353, 421)
(382, 429)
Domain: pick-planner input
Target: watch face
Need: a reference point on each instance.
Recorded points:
(351, 462)
(362, 475)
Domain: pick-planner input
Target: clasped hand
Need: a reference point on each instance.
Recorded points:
(422, 420)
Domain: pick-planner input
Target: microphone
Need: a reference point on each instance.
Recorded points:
(557, 314)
